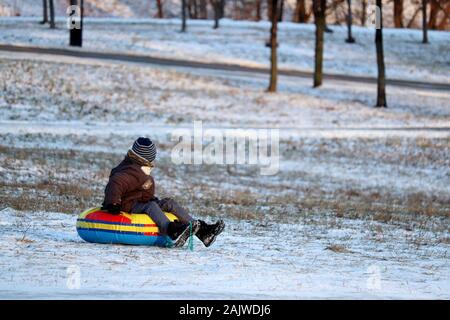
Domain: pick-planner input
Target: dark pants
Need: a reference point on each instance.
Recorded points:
(155, 210)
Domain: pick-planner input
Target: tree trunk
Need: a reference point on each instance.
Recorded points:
(363, 12)
(319, 20)
(203, 13)
(326, 29)
(442, 25)
(424, 22)
(44, 12)
(189, 7)
(434, 10)
(398, 13)
(183, 15)
(350, 38)
(76, 34)
(381, 81)
(269, 10)
(216, 7)
(52, 14)
(273, 47)
(193, 9)
(258, 10)
(413, 18)
(160, 9)
(299, 14)
(280, 11)
(222, 9)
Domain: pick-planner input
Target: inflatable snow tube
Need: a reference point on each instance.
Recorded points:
(97, 226)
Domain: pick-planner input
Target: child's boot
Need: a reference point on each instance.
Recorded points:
(209, 232)
(179, 232)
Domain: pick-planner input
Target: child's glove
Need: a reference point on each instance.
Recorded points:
(113, 208)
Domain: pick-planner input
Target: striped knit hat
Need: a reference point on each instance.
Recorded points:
(144, 148)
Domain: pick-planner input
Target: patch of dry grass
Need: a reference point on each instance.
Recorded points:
(76, 181)
(337, 248)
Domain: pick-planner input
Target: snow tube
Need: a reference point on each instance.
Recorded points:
(95, 225)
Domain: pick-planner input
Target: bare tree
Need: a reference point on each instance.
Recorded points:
(280, 11)
(445, 20)
(350, 38)
(319, 7)
(363, 12)
(381, 81)
(258, 10)
(273, 47)
(424, 22)
(203, 12)
(159, 5)
(434, 10)
(183, 15)
(299, 14)
(413, 17)
(398, 13)
(44, 12)
(193, 9)
(326, 29)
(222, 9)
(52, 14)
(216, 7)
(269, 9)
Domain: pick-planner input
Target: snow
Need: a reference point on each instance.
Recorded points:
(253, 261)
(297, 106)
(243, 42)
(298, 234)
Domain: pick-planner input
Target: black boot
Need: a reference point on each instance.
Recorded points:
(179, 232)
(208, 232)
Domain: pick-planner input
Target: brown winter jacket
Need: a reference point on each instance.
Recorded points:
(128, 184)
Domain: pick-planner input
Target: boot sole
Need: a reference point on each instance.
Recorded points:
(219, 231)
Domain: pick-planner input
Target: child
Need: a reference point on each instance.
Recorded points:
(131, 189)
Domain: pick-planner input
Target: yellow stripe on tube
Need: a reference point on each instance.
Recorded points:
(139, 218)
(115, 227)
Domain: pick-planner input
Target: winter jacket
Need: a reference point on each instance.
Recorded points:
(129, 182)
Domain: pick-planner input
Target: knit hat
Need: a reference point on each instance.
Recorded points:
(144, 148)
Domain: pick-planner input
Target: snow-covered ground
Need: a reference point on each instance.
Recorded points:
(359, 208)
(91, 90)
(42, 257)
(243, 42)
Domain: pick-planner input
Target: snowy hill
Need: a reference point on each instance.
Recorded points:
(358, 209)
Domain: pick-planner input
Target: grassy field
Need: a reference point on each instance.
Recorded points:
(342, 201)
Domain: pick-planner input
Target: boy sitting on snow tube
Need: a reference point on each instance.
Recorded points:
(131, 189)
